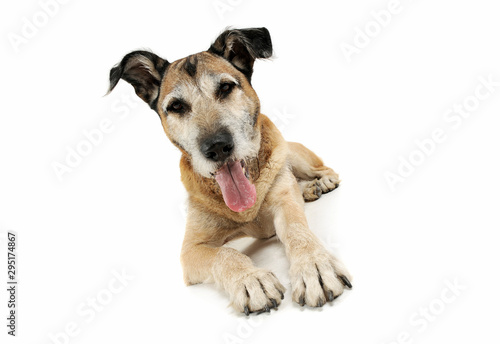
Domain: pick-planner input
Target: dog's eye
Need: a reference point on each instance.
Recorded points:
(176, 106)
(224, 89)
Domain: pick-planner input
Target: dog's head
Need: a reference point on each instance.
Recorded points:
(207, 105)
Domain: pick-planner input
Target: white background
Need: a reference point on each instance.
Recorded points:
(121, 207)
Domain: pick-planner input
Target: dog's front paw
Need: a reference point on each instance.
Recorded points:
(255, 291)
(318, 278)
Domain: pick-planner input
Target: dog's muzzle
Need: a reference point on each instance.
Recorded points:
(232, 176)
(217, 147)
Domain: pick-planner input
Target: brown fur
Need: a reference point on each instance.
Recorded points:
(205, 192)
(284, 174)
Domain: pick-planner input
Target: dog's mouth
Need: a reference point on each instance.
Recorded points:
(234, 181)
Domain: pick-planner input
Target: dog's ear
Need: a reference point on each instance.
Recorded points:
(242, 47)
(144, 71)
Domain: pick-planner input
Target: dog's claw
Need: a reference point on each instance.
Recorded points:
(330, 296)
(275, 304)
(302, 301)
(320, 303)
(247, 311)
(346, 282)
(265, 309)
(318, 191)
(282, 295)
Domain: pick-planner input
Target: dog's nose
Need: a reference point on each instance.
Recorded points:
(218, 147)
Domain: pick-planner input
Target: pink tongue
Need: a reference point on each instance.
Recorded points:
(239, 194)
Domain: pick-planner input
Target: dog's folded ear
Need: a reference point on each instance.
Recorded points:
(242, 47)
(144, 71)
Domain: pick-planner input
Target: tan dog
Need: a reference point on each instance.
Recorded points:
(242, 177)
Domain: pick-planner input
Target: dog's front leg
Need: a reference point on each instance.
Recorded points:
(250, 289)
(316, 275)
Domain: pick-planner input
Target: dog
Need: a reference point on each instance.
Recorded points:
(242, 177)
